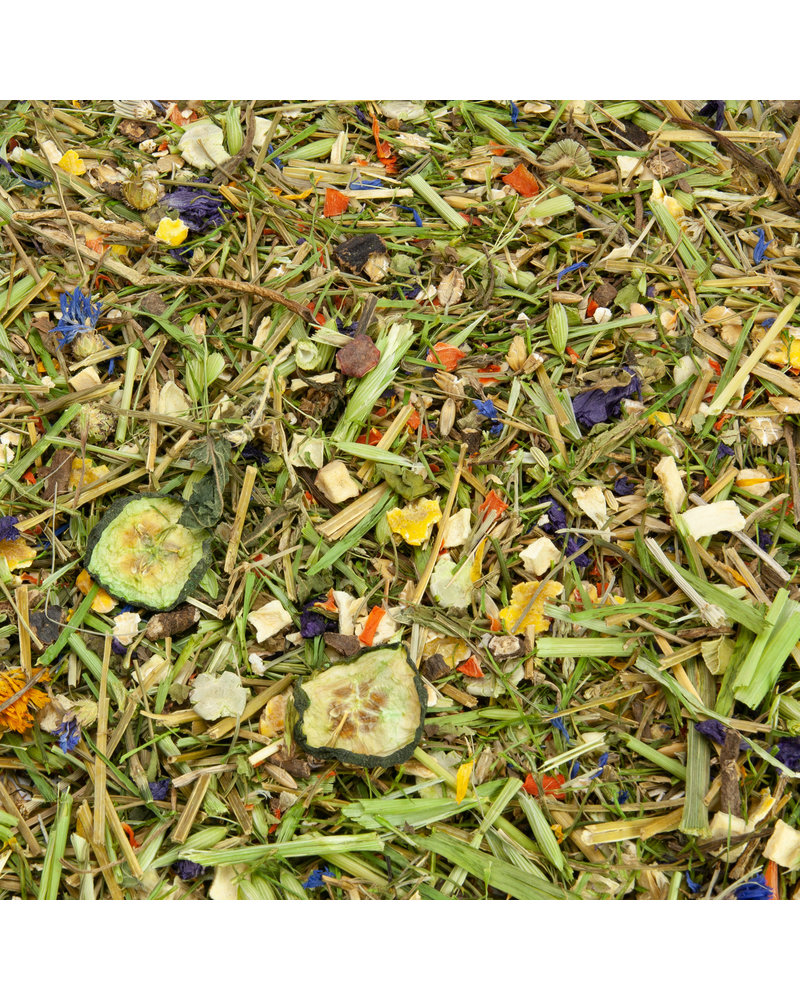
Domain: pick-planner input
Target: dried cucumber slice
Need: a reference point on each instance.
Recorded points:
(142, 555)
(368, 711)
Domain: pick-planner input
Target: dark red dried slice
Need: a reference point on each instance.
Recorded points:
(358, 357)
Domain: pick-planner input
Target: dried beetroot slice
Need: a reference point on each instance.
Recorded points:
(359, 356)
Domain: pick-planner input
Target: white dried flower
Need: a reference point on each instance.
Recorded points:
(269, 620)
(126, 627)
(218, 697)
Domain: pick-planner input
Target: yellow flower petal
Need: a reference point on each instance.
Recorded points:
(172, 231)
(91, 473)
(16, 554)
(414, 522)
(103, 601)
(477, 568)
(72, 163)
(462, 779)
(518, 617)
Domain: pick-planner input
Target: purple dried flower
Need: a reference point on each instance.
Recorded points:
(756, 888)
(348, 330)
(557, 523)
(69, 735)
(763, 539)
(514, 112)
(198, 209)
(188, 870)
(573, 544)
(723, 451)
(715, 731)
(788, 752)
(575, 770)
(160, 789)
(117, 647)
(623, 487)
(715, 110)
(252, 454)
(313, 624)
(598, 406)
(8, 531)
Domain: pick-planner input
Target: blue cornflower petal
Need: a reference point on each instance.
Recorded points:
(78, 315)
(188, 870)
(622, 797)
(414, 212)
(575, 770)
(514, 112)
(314, 880)
(568, 270)
(69, 735)
(366, 185)
(768, 322)
(723, 451)
(691, 885)
(278, 162)
(760, 249)
(25, 180)
(756, 888)
(487, 408)
(559, 725)
(496, 429)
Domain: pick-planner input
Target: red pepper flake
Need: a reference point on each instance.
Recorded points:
(380, 412)
(591, 308)
(522, 181)
(573, 355)
(715, 365)
(470, 668)
(550, 784)
(487, 379)
(496, 150)
(445, 354)
(129, 834)
(335, 203)
(435, 470)
(495, 625)
(367, 636)
(493, 502)
(37, 423)
(413, 421)
(374, 437)
(29, 478)
(473, 220)
(309, 497)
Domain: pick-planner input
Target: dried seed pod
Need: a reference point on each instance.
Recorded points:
(93, 424)
(517, 354)
(558, 327)
(87, 344)
(447, 417)
(451, 287)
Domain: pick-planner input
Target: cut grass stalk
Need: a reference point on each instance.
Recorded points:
(436, 202)
(56, 845)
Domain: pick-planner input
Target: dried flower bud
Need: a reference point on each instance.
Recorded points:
(447, 417)
(85, 345)
(558, 327)
(517, 353)
(92, 423)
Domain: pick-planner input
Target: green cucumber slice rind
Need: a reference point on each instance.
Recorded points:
(302, 702)
(115, 587)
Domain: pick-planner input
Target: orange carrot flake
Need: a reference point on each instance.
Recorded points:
(591, 308)
(374, 437)
(522, 180)
(445, 354)
(367, 636)
(495, 625)
(550, 785)
(335, 203)
(493, 502)
(470, 668)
